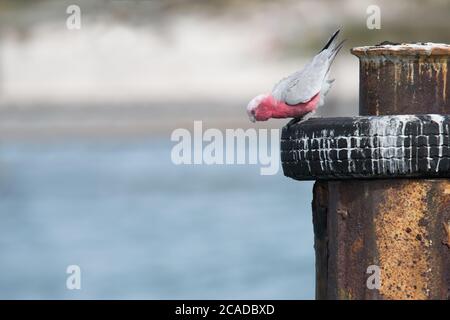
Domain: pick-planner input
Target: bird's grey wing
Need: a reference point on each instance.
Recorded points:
(305, 84)
(301, 86)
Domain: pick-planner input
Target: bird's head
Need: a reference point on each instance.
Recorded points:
(257, 108)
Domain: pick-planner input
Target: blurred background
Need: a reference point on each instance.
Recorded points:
(85, 121)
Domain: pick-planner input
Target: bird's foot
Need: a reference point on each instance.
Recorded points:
(293, 122)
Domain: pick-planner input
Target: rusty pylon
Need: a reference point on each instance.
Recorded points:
(382, 195)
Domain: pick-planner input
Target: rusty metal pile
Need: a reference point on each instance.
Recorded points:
(382, 195)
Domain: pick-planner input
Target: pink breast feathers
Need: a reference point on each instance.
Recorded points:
(282, 110)
(268, 107)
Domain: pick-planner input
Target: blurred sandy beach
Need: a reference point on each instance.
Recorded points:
(146, 67)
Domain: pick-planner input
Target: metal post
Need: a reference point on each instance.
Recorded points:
(395, 216)
(408, 79)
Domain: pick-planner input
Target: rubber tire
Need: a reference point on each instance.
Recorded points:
(367, 147)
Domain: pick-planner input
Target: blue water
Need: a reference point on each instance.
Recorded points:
(140, 227)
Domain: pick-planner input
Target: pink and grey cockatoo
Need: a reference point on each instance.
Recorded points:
(300, 94)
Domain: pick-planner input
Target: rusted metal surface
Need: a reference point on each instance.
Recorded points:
(404, 79)
(320, 217)
(400, 225)
(396, 225)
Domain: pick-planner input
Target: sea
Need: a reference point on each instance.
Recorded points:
(140, 227)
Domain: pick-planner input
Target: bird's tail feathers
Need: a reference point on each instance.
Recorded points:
(334, 53)
(338, 47)
(331, 40)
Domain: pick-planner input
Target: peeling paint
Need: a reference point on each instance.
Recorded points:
(410, 75)
(444, 79)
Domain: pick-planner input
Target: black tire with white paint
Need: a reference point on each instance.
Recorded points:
(367, 147)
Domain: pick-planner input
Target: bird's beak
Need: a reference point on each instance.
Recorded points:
(251, 116)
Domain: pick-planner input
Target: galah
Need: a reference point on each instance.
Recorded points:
(300, 94)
